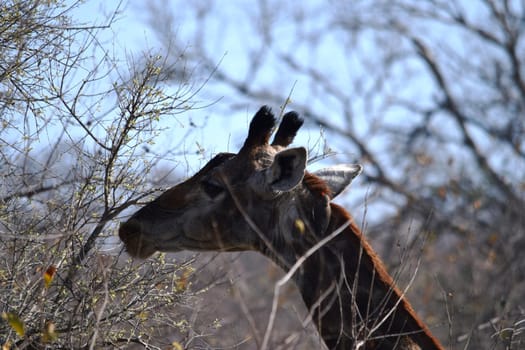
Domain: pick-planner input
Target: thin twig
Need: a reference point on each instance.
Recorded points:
(100, 311)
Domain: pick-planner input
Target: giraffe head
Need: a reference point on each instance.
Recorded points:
(252, 200)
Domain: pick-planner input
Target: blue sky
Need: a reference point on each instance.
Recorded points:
(234, 40)
(230, 38)
(219, 133)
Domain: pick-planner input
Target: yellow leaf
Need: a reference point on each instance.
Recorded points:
(48, 275)
(177, 346)
(299, 225)
(143, 315)
(15, 322)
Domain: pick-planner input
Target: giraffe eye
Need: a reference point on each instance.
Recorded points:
(211, 189)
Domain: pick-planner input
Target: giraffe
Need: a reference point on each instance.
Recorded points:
(263, 199)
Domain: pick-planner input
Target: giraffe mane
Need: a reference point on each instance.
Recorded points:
(316, 185)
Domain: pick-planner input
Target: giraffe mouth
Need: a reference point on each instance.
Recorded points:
(141, 243)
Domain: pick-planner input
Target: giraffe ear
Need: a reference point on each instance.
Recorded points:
(338, 177)
(287, 169)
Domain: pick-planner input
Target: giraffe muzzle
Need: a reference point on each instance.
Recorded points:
(137, 246)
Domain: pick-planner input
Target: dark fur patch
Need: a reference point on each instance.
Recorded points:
(261, 128)
(288, 129)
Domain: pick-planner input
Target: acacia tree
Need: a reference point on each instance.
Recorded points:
(77, 148)
(430, 96)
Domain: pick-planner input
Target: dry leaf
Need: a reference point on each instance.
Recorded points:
(49, 334)
(182, 281)
(15, 322)
(48, 275)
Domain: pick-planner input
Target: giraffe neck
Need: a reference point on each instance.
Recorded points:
(346, 287)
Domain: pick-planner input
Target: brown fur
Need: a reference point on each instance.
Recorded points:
(405, 319)
(316, 185)
(352, 243)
